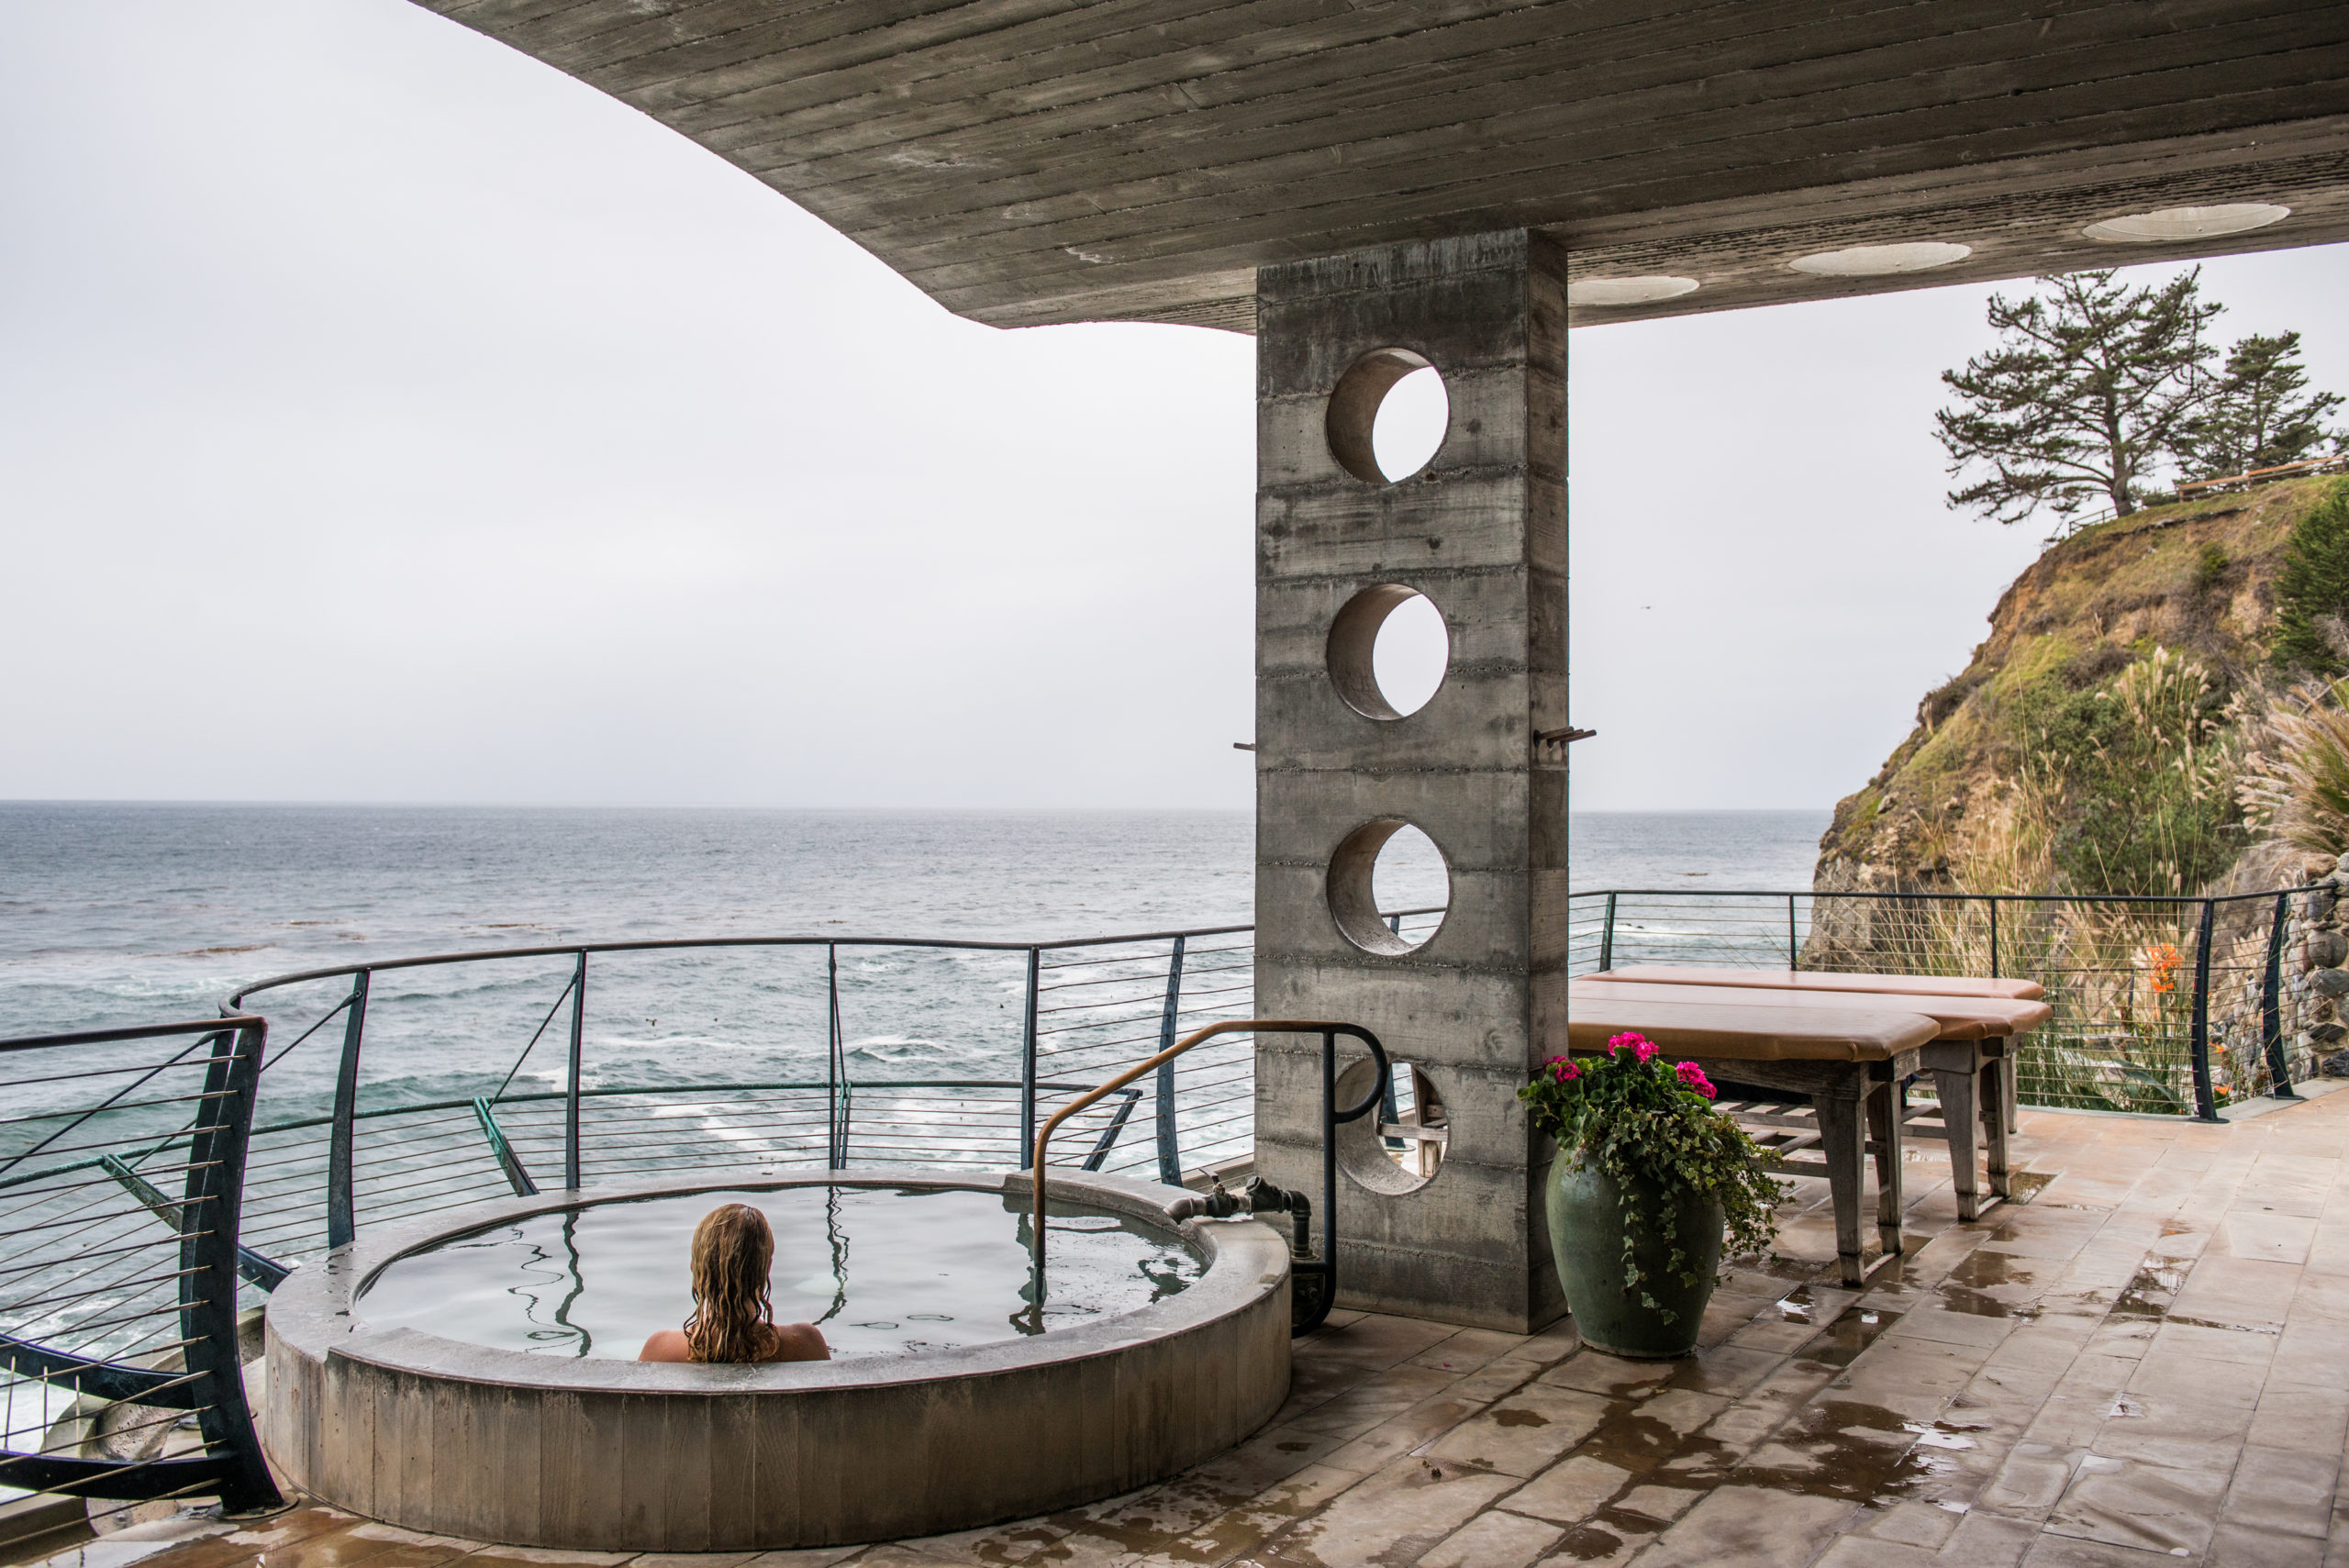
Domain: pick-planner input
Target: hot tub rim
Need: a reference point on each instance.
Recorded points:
(314, 1312)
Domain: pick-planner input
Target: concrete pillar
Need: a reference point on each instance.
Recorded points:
(1482, 532)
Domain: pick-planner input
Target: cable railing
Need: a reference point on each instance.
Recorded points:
(154, 1181)
(2174, 1006)
(121, 1172)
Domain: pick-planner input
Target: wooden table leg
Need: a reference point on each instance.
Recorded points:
(1996, 1107)
(1959, 1111)
(1840, 1142)
(2011, 1081)
(1883, 1137)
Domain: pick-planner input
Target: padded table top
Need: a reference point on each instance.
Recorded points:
(1819, 980)
(1733, 1029)
(1958, 1017)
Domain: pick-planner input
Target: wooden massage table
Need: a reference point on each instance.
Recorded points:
(1824, 1063)
(1874, 984)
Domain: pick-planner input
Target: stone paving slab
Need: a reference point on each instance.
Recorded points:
(2147, 1362)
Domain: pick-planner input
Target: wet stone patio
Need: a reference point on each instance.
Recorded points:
(2145, 1359)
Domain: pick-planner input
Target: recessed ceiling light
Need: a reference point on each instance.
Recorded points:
(2187, 223)
(1627, 291)
(1880, 261)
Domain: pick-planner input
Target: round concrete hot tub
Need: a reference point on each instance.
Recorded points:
(556, 1446)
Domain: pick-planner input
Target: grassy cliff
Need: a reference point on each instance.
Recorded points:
(2086, 745)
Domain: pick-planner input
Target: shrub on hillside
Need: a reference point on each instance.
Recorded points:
(2138, 778)
(2312, 591)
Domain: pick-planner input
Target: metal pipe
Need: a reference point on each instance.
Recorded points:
(1331, 1117)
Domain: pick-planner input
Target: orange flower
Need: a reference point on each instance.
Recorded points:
(2164, 960)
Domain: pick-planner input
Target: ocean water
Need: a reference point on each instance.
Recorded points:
(127, 913)
(118, 914)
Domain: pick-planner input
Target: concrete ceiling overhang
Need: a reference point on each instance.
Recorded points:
(1030, 162)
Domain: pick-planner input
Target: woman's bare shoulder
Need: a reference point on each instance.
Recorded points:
(799, 1343)
(667, 1345)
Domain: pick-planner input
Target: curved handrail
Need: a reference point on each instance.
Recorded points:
(568, 949)
(1325, 1029)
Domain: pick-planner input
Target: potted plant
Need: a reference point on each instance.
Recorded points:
(1648, 1180)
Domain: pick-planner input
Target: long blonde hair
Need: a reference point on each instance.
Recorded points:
(733, 1320)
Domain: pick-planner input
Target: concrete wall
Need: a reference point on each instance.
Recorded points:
(1482, 532)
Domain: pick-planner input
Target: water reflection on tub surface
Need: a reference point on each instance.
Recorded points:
(884, 1271)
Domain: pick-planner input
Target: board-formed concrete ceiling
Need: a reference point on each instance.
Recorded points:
(1027, 161)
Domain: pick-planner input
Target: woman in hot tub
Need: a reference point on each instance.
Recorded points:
(732, 1319)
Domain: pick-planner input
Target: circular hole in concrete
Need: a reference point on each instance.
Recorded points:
(1400, 1147)
(1388, 887)
(1388, 416)
(1388, 650)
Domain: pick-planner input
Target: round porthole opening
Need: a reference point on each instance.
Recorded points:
(1388, 650)
(1388, 415)
(1389, 888)
(1400, 1145)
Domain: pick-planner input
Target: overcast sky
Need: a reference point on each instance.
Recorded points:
(385, 416)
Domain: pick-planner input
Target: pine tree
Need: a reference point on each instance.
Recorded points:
(2255, 419)
(2084, 396)
(2312, 591)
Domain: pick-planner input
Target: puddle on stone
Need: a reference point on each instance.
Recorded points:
(2230, 1328)
(2024, 1185)
(1860, 1453)
(1970, 1286)
(2154, 1287)
(1840, 1343)
(1778, 1267)
(1942, 1434)
(1588, 1543)
(1519, 1418)
(1635, 1443)
(1802, 1306)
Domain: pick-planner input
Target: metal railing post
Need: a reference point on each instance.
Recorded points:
(835, 1061)
(1993, 901)
(2206, 1103)
(1028, 1063)
(1793, 953)
(208, 1248)
(2271, 1013)
(1606, 937)
(1170, 1153)
(571, 1178)
(342, 1209)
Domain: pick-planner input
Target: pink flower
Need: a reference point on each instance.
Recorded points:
(1627, 1038)
(1645, 1049)
(1565, 1072)
(1692, 1076)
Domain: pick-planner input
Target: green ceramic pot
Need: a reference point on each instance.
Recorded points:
(1586, 1239)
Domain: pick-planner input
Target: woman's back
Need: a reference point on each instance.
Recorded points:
(733, 1317)
(787, 1342)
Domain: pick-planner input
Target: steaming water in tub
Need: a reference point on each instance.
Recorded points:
(882, 1270)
